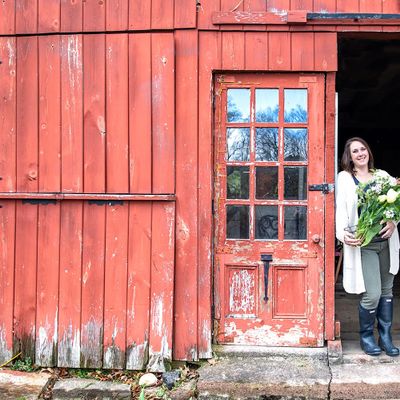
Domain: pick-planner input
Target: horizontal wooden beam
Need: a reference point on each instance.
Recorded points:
(302, 17)
(86, 196)
(259, 18)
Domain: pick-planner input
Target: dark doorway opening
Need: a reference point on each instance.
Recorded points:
(368, 87)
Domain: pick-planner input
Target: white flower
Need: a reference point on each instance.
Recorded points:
(389, 214)
(382, 198)
(391, 196)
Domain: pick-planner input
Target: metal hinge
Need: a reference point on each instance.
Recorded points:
(322, 187)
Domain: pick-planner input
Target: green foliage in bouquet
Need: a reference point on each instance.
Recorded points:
(379, 201)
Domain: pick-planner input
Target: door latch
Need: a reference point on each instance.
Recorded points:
(266, 259)
(322, 187)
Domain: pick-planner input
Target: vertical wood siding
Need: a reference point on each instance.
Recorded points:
(82, 299)
(86, 284)
(43, 16)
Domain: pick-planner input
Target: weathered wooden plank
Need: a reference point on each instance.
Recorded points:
(256, 6)
(230, 7)
(330, 208)
(27, 114)
(103, 197)
(8, 110)
(140, 169)
(232, 50)
(49, 15)
(301, 5)
(366, 6)
(302, 47)
(115, 282)
(347, 6)
(279, 53)
(325, 51)
(7, 242)
(94, 16)
(324, 6)
(390, 6)
(117, 14)
(162, 285)
(69, 318)
(25, 290)
(47, 284)
(92, 314)
(94, 113)
(71, 15)
(256, 51)
(162, 14)
(49, 114)
(210, 59)
(138, 289)
(117, 86)
(26, 13)
(7, 17)
(186, 264)
(140, 165)
(205, 12)
(163, 112)
(139, 15)
(185, 14)
(278, 6)
(71, 114)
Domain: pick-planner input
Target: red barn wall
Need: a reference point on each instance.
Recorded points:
(112, 102)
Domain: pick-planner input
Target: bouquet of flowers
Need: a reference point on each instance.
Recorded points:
(379, 201)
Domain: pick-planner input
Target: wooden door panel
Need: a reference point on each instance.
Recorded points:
(269, 251)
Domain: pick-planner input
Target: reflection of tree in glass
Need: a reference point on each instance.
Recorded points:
(234, 114)
(266, 144)
(238, 142)
(268, 114)
(298, 114)
(295, 144)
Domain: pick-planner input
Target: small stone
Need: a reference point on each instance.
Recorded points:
(170, 378)
(148, 379)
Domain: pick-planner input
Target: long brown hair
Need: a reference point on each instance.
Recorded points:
(347, 163)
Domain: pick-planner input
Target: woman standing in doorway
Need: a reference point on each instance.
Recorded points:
(368, 270)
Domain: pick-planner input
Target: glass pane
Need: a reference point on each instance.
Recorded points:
(238, 144)
(295, 144)
(267, 144)
(267, 105)
(266, 182)
(295, 223)
(295, 105)
(266, 222)
(238, 105)
(237, 182)
(295, 183)
(237, 222)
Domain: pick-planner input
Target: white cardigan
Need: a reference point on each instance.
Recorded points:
(347, 215)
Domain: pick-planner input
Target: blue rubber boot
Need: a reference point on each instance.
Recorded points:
(367, 339)
(385, 317)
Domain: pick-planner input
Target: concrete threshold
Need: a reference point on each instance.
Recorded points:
(250, 372)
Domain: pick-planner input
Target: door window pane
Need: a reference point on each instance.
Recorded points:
(237, 222)
(267, 105)
(237, 182)
(267, 183)
(266, 222)
(295, 144)
(238, 105)
(266, 144)
(238, 144)
(295, 222)
(295, 105)
(295, 183)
